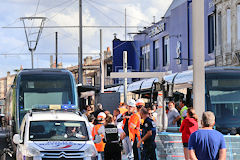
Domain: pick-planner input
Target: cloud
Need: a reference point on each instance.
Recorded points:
(108, 12)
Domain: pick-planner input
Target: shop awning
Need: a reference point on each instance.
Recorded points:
(181, 77)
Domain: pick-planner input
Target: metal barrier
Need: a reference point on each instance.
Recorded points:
(169, 146)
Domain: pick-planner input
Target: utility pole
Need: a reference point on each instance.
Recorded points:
(80, 74)
(56, 50)
(101, 65)
(125, 24)
(31, 50)
(198, 57)
(125, 60)
(125, 71)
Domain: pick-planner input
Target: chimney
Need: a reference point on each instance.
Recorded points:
(115, 35)
(51, 61)
(8, 74)
(88, 60)
(108, 50)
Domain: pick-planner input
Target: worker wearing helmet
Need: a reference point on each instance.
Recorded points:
(127, 122)
(95, 132)
(134, 128)
(122, 108)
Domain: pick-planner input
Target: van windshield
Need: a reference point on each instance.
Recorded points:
(58, 131)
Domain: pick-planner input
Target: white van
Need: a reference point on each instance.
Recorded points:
(51, 135)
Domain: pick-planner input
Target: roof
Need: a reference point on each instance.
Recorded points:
(43, 70)
(55, 115)
(174, 4)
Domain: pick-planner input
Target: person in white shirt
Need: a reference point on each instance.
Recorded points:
(118, 120)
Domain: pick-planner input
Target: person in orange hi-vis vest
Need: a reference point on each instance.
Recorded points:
(99, 146)
(125, 135)
(122, 108)
(134, 129)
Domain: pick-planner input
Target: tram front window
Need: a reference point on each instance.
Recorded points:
(223, 99)
(44, 90)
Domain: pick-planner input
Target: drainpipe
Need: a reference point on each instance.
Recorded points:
(188, 21)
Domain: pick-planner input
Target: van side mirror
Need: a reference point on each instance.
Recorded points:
(17, 139)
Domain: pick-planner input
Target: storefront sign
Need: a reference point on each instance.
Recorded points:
(158, 28)
(179, 51)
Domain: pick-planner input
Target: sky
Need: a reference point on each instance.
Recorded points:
(14, 50)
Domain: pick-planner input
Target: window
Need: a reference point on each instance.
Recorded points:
(211, 33)
(166, 51)
(58, 130)
(228, 26)
(219, 29)
(146, 56)
(142, 60)
(155, 54)
(238, 22)
(109, 69)
(147, 59)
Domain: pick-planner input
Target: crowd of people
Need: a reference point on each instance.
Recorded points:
(199, 143)
(131, 131)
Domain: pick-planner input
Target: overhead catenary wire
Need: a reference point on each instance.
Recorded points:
(102, 13)
(40, 12)
(30, 30)
(58, 5)
(116, 10)
(76, 26)
(22, 46)
(73, 2)
(48, 53)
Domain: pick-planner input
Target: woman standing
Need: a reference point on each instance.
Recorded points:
(112, 150)
(189, 125)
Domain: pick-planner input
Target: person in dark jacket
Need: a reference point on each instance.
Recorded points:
(189, 125)
(112, 150)
(98, 109)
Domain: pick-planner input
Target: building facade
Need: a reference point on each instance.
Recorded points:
(228, 32)
(5, 84)
(91, 70)
(167, 46)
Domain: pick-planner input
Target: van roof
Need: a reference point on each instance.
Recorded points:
(55, 115)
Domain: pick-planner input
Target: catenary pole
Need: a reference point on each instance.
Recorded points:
(56, 50)
(125, 60)
(125, 24)
(80, 74)
(125, 71)
(32, 58)
(101, 64)
(198, 57)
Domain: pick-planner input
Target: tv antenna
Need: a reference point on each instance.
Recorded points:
(33, 34)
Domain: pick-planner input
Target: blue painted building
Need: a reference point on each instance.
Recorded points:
(167, 45)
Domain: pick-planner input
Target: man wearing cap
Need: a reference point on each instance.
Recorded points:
(95, 132)
(148, 136)
(122, 108)
(134, 128)
(125, 136)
